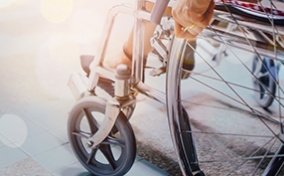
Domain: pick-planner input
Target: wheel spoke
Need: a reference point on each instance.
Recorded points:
(91, 156)
(114, 141)
(244, 149)
(266, 154)
(81, 134)
(94, 126)
(106, 150)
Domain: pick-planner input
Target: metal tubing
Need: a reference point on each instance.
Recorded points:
(138, 46)
(158, 11)
(151, 92)
(104, 40)
(173, 113)
(111, 114)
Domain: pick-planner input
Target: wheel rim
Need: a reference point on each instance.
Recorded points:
(115, 155)
(265, 83)
(245, 153)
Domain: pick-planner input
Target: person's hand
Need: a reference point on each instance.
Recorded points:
(191, 17)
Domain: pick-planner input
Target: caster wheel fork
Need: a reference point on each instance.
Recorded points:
(115, 155)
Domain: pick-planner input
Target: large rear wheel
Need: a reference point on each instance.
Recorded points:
(217, 126)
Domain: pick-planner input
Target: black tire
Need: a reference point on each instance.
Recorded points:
(178, 117)
(265, 83)
(116, 154)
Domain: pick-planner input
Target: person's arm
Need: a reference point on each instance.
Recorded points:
(193, 15)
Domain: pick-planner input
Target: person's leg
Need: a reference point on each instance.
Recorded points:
(149, 28)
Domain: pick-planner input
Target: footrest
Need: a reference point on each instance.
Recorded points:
(107, 85)
(158, 71)
(78, 85)
(86, 61)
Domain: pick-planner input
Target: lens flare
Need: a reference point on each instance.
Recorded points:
(20, 2)
(56, 11)
(5, 3)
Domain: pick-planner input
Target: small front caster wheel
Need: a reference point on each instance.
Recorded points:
(265, 82)
(116, 154)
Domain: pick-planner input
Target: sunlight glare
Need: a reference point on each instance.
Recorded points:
(20, 2)
(5, 3)
(56, 60)
(56, 11)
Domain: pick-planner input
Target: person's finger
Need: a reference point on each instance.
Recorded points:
(195, 30)
(178, 29)
(208, 15)
(201, 17)
(190, 34)
(185, 18)
(179, 14)
(196, 9)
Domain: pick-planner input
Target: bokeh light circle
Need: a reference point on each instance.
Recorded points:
(5, 3)
(56, 11)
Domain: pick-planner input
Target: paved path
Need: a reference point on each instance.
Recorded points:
(40, 48)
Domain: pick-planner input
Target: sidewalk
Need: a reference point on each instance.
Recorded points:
(46, 150)
(38, 54)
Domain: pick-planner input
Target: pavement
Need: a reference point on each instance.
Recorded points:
(41, 42)
(34, 142)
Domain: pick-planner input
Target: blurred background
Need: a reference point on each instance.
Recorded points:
(40, 45)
